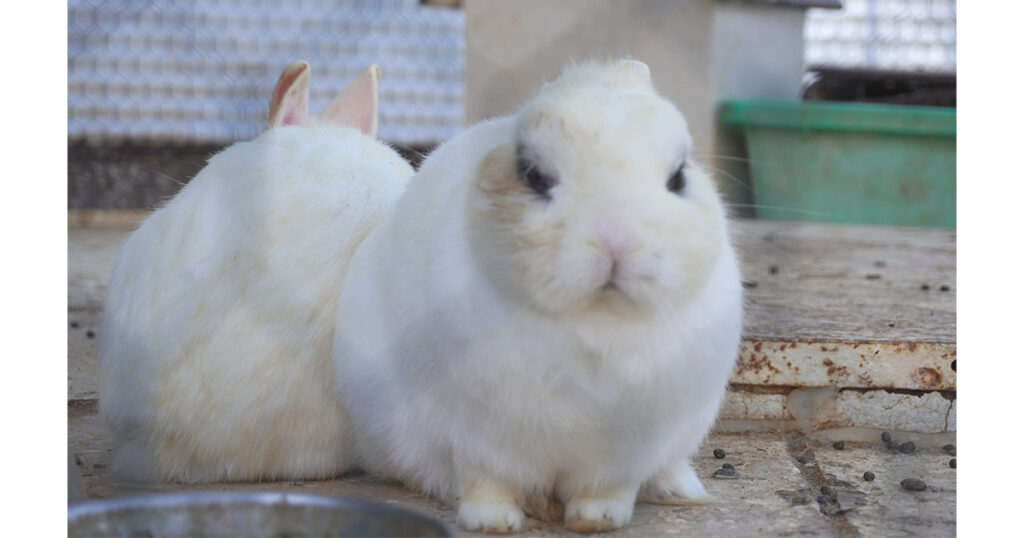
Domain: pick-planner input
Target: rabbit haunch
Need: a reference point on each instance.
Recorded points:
(506, 340)
(219, 319)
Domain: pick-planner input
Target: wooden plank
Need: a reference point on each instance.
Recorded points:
(844, 306)
(91, 253)
(828, 282)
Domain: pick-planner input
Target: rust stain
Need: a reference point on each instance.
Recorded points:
(757, 346)
(927, 378)
(755, 364)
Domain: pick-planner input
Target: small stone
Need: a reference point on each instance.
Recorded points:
(774, 269)
(886, 437)
(728, 466)
(952, 463)
(838, 445)
(725, 473)
(908, 448)
(943, 288)
(78, 459)
(719, 453)
(749, 284)
(949, 449)
(89, 334)
(913, 484)
(925, 287)
(74, 324)
(869, 476)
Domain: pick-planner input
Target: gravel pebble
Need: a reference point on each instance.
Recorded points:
(908, 448)
(949, 449)
(952, 463)
(719, 453)
(886, 438)
(728, 466)
(869, 476)
(913, 484)
(838, 445)
(725, 473)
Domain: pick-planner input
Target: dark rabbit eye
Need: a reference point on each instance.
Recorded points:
(678, 180)
(534, 177)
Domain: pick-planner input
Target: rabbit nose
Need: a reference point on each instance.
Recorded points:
(614, 245)
(614, 238)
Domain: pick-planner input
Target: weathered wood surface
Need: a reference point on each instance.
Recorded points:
(827, 305)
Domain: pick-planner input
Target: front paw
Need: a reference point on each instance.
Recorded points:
(489, 506)
(675, 485)
(490, 516)
(598, 513)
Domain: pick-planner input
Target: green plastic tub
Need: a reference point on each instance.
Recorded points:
(849, 162)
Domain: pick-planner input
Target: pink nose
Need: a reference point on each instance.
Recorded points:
(614, 245)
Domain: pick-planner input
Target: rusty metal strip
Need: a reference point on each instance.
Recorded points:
(912, 366)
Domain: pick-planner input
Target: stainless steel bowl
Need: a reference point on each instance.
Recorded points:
(222, 513)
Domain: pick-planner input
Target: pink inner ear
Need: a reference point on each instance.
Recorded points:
(357, 105)
(289, 104)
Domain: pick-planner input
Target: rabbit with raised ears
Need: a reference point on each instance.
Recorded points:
(219, 319)
(545, 323)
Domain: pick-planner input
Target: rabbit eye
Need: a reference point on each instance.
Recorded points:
(533, 176)
(678, 180)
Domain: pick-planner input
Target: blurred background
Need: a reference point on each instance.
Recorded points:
(827, 110)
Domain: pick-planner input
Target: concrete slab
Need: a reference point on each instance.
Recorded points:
(774, 495)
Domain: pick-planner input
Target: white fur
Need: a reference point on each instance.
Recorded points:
(218, 323)
(478, 346)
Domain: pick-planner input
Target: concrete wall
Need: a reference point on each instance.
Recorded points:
(758, 52)
(513, 47)
(699, 51)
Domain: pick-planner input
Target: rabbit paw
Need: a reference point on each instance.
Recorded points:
(674, 485)
(489, 508)
(600, 511)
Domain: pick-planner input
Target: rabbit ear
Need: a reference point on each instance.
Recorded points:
(289, 104)
(636, 67)
(357, 105)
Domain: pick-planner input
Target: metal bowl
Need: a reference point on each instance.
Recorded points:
(221, 513)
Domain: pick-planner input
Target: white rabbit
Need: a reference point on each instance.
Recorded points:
(219, 319)
(550, 312)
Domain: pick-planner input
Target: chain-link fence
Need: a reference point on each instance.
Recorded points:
(895, 35)
(202, 71)
(883, 51)
(155, 87)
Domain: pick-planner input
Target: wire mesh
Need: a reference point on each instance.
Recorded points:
(202, 71)
(896, 35)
